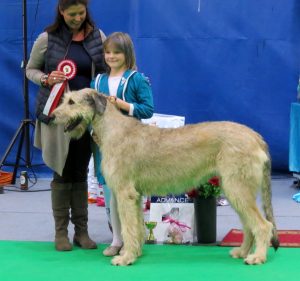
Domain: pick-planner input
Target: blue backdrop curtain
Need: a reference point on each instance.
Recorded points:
(207, 60)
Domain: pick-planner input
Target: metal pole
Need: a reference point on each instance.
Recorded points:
(25, 87)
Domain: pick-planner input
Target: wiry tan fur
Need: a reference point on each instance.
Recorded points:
(141, 160)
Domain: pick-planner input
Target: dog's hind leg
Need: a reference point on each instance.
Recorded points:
(245, 248)
(257, 230)
(262, 232)
(129, 208)
(248, 239)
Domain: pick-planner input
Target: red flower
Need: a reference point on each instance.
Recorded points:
(214, 181)
(192, 193)
(210, 188)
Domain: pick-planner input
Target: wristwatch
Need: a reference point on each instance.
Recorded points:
(44, 80)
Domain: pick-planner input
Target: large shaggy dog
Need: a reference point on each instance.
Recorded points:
(139, 159)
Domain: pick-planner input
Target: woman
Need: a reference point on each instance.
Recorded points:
(72, 37)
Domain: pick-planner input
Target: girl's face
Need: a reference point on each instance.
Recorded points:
(74, 16)
(115, 59)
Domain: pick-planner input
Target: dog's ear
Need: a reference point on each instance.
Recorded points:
(100, 102)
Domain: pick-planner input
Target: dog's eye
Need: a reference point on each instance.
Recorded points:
(71, 102)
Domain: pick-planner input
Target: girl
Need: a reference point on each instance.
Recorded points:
(132, 94)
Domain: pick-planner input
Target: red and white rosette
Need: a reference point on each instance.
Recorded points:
(68, 67)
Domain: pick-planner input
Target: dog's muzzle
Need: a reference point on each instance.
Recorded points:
(73, 123)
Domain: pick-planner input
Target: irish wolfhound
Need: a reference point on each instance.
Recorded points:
(139, 159)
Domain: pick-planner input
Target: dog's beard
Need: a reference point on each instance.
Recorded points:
(73, 123)
(76, 127)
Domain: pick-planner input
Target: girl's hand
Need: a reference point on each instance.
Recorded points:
(112, 99)
(96, 139)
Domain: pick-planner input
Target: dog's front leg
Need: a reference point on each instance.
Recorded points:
(129, 208)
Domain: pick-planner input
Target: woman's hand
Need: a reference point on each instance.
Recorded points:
(56, 77)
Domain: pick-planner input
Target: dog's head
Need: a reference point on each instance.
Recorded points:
(78, 109)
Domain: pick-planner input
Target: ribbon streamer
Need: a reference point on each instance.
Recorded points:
(54, 97)
(69, 69)
(182, 226)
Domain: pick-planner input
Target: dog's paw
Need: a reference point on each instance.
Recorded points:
(238, 253)
(123, 260)
(255, 259)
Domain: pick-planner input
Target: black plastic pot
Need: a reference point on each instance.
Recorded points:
(205, 219)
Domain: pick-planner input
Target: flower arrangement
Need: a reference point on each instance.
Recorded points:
(210, 188)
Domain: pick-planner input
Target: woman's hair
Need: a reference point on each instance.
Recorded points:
(63, 5)
(123, 43)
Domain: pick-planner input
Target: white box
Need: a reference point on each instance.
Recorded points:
(165, 120)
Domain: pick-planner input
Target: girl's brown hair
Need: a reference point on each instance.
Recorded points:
(123, 43)
(63, 5)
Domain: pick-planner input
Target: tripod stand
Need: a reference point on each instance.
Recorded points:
(24, 129)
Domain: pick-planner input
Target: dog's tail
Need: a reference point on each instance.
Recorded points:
(267, 202)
